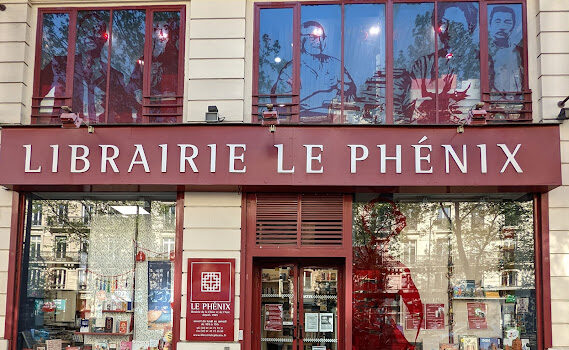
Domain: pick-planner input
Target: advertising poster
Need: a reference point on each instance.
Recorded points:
(413, 321)
(159, 295)
(273, 317)
(211, 311)
(326, 322)
(476, 315)
(435, 316)
(311, 322)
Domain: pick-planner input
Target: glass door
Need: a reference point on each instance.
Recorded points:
(298, 307)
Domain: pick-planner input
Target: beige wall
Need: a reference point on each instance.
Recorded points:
(5, 222)
(15, 51)
(212, 229)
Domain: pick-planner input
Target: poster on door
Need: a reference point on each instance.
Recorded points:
(273, 317)
(211, 312)
(435, 316)
(326, 322)
(476, 315)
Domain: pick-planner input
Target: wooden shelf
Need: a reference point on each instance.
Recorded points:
(106, 334)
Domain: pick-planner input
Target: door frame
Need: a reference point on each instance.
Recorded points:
(299, 264)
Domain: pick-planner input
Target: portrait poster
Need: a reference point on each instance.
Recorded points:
(435, 316)
(476, 315)
(273, 317)
(311, 322)
(159, 295)
(326, 322)
(414, 321)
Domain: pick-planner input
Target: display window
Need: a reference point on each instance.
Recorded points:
(97, 273)
(443, 273)
(110, 65)
(399, 62)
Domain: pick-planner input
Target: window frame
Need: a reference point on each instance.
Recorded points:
(147, 106)
(525, 114)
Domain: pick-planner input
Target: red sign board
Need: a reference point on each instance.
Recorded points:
(231, 155)
(211, 306)
(476, 315)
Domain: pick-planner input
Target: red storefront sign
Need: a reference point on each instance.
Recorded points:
(211, 290)
(501, 156)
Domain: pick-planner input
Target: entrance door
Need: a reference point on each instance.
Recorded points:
(298, 306)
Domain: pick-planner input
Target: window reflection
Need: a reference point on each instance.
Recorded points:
(471, 280)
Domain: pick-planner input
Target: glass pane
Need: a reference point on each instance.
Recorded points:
(99, 282)
(275, 52)
(414, 63)
(431, 273)
(320, 64)
(277, 308)
(459, 60)
(364, 56)
(320, 306)
(127, 63)
(505, 60)
(505, 47)
(91, 61)
(55, 28)
(164, 69)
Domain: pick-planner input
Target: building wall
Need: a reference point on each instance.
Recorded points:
(5, 223)
(552, 54)
(212, 229)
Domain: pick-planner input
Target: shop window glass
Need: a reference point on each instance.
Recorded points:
(276, 81)
(342, 76)
(364, 57)
(320, 64)
(107, 69)
(109, 281)
(475, 286)
(36, 215)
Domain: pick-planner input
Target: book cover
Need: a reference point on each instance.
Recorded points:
(123, 327)
(489, 343)
(448, 346)
(126, 345)
(84, 326)
(468, 342)
(109, 324)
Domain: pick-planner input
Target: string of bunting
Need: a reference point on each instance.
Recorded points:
(141, 255)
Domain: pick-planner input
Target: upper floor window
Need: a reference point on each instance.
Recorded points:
(110, 65)
(404, 63)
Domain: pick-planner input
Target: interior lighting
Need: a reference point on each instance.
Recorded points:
(130, 209)
(374, 30)
(278, 60)
(317, 31)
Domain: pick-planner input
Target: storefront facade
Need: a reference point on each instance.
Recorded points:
(381, 209)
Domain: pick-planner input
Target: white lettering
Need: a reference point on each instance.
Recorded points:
(483, 159)
(164, 162)
(461, 164)
(311, 157)
(510, 156)
(419, 158)
(212, 157)
(139, 152)
(106, 159)
(384, 158)
(54, 158)
(354, 158)
(233, 157)
(280, 167)
(190, 159)
(83, 157)
(28, 163)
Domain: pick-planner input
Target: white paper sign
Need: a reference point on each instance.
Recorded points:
(319, 347)
(326, 322)
(311, 322)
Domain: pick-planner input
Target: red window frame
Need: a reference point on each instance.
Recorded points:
(174, 109)
(525, 114)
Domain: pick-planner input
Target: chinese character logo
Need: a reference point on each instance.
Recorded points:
(211, 282)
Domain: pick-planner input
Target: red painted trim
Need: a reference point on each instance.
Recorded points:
(109, 57)
(348, 247)
(545, 284)
(178, 268)
(243, 267)
(388, 64)
(14, 266)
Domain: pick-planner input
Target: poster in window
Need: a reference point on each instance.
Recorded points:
(414, 321)
(435, 316)
(273, 317)
(311, 322)
(476, 315)
(159, 295)
(326, 322)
